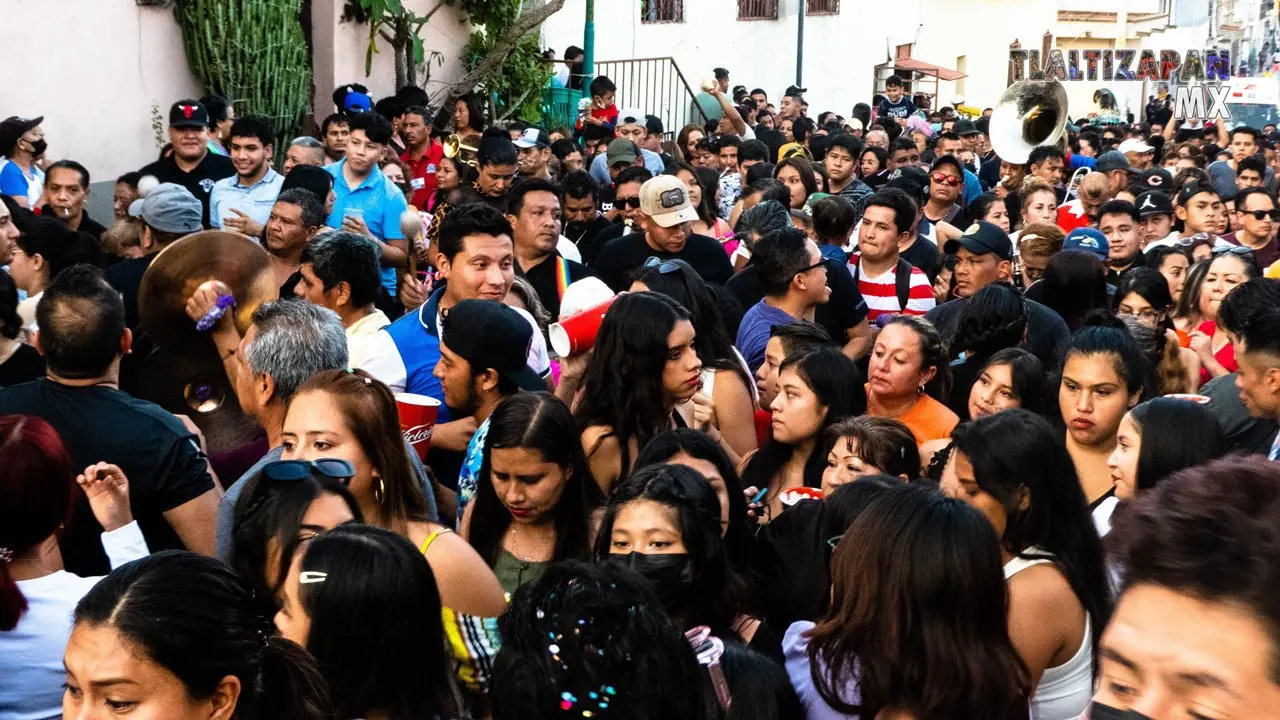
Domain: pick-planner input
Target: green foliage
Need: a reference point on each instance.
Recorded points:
(399, 26)
(252, 52)
(515, 88)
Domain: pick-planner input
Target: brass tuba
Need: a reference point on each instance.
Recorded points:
(454, 147)
(1030, 113)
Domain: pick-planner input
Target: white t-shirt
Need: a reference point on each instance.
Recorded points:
(31, 672)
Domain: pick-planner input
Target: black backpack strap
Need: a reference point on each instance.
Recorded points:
(902, 282)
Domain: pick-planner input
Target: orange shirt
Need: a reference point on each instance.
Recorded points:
(928, 419)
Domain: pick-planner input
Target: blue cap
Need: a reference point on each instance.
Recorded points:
(356, 101)
(1089, 240)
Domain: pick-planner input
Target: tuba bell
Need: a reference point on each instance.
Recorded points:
(453, 147)
(1030, 113)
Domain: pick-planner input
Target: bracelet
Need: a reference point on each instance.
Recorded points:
(211, 318)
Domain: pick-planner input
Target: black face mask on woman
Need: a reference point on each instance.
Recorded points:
(670, 575)
(1104, 712)
(38, 147)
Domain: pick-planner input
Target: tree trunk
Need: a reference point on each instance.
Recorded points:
(402, 51)
(530, 18)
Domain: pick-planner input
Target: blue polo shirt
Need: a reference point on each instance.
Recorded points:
(381, 204)
(255, 201)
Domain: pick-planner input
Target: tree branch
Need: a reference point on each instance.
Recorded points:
(387, 37)
(528, 20)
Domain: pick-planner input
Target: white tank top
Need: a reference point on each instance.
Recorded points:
(1064, 691)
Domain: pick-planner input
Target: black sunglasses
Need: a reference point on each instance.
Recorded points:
(1259, 215)
(632, 202)
(295, 470)
(665, 267)
(822, 262)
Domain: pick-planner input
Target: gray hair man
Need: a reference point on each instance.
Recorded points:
(303, 150)
(288, 342)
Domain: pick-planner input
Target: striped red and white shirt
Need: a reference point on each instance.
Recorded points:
(881, 292)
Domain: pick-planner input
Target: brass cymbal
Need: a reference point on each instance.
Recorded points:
(182, 267)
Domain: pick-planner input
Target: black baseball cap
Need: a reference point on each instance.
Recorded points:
(653, 124)
(1154, 179)
(981, 238)
(1153, 202)
(795, 91)
(488, 334)
(965, 127)
(1191, 190)
(188, 113)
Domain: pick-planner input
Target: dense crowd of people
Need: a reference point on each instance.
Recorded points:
(876, 423)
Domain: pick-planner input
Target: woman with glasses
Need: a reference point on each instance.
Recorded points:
(663, 522)
(535, 494)
(1229, 267)
(365, 604)
(288, 503)
(815, 391)
(1059, 600)
(351, 416)
(37, 492)
(917, 621)
(645, 362)
(1143, 295)
(725, 377)
(873, 166)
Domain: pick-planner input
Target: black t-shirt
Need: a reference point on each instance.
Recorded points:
(1047, 333)
(126, 278)
(792, 558)
(87, 224)
(924, 255)
(621, 258)
(1113, 275)
(161, 458)
(199, 181)
(543, 279)
(843, 310)
(591, 238)
(24, 365)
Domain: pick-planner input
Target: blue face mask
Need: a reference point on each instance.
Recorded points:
(936, 127)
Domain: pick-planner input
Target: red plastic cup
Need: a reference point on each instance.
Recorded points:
(417, 420)
(577, 333)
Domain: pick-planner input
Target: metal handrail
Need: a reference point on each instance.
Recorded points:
(655, 85)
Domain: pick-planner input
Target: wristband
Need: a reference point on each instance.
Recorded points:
(211, 318)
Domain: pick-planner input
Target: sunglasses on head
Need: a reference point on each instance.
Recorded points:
(1261, 215)
(295, 470)
(665, 267)
(948, 180)
(1233, 250)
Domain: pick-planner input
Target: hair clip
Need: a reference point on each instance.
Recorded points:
(308, 577)
(6, 555)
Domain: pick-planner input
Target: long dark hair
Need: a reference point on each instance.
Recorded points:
(536, 421)
(805, 168)
(839, 386)
(1192, 284)
(475, 113)
(707, 208)
(716, 594)
(1176, 434)
(1037, 470)
(739, 541)
(375, 624)
(993, 319)
(192, 616)
(622, 387)
(1030, 383)
(918, 617)
(713, 342)
(1074, 285)
(10, 321)
(1149, 285)
(883, 442)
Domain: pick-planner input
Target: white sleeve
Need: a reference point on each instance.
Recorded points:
(125, 544)
(382, 360)
(539, 360)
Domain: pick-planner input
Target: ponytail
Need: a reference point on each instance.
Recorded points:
(289, 687)
(12, 602)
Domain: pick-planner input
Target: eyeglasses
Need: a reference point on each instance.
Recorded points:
(948, 180)
(631, 202)
(822, 263)
(1196, 239)
(1233, 250)
(1260, 215)
(665, 267)
(1146, 315)
(833, 542)
(295, 470)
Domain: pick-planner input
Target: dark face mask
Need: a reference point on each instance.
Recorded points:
(970, 167)
(670, 576)
(38, 147)
(1103, 712)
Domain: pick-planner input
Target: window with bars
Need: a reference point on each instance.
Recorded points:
(823, 7)
(661, 11)
(757, 9)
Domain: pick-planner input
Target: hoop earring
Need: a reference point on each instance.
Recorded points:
(380, 492)
(920, 390)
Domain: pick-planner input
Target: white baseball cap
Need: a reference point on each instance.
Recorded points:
(666, 199)
(631, 116)
(1134, 145)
